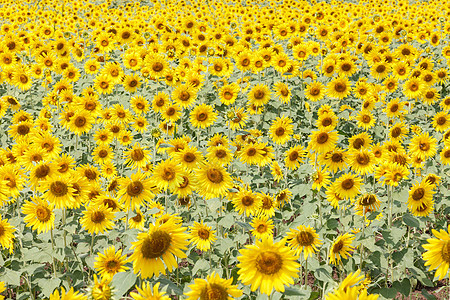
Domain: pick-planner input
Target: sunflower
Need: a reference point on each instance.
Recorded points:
(184, 95)
(220, 155)
(365, 119)
(97, 218)
(157, 249)
(135, 190)
(146, 292)
(110, 262)
(137, 221)
(367, 203)
(423, 146)
(445, 155)
(189, 157)
(59, 192)
(335, 160)
(137, 156)
(441, 121)
(323, 141)
(303, 239)
(420, 195)
(348, 186)
(268, 205)
(70, 294)
(259, 95)
(245, 201)
(282, 91)
(413, 88)
(315, 91)
(327, 121)
(102, 154)
(395, 172)
(157, 65)
(341, 247)
(214, 287)
(202, 236)
(172, 113)
(281, 130)
(81, 122)
(6, 235)
(131, 83)
(167, 174)
(39, 215)
(320, 178)
(358, 141)
(229, 93)
(276, 171)
(338, 88)
(203, 116)
(362, 161)
(103, 84)
(267, 265)
(293, 157)
(437, 252)
(262, 226)
(213, 180)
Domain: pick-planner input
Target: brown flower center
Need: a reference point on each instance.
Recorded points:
(322, 138)
(305, 238)
(58, 188)
(418, 194)
(137, 155)
(42, 171)
(98, 217)
(43, 214)
(135, 188)
(156, 245)
(214, 175)
(269, 262)
(347, 184)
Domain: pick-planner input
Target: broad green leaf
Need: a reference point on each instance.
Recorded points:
(123, 281)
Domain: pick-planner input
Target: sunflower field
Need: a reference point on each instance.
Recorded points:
(224, 149)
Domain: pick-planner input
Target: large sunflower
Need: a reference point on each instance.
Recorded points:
(259, 95)
(268, 265)
(97, 218)
(303, 239)
(214, 287)
(167, 174)
(323, 141)
(437, 255)
(339, 88)
(423, 146)
(157, 249)
(213, 180)
(202, 236)
(341, 247)
(146, 292)
(348, 186)
(203, 116)
(110, 262)
(6, 235)
(38, 215)
(135, 190)
(281, 130)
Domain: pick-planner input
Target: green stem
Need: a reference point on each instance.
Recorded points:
(53, 250)
(306, 273)
(361, 245)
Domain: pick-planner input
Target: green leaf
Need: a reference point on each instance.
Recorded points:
(403, 287)
(332, 223)
(171, 287)
(389, 293)
(12, 277)
(294, 291)
(201, 265)
(427, 295)
(411, 221)
(49, 285)
(227, 221)
(123, 281)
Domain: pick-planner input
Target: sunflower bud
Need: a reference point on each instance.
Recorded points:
(156, 133)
